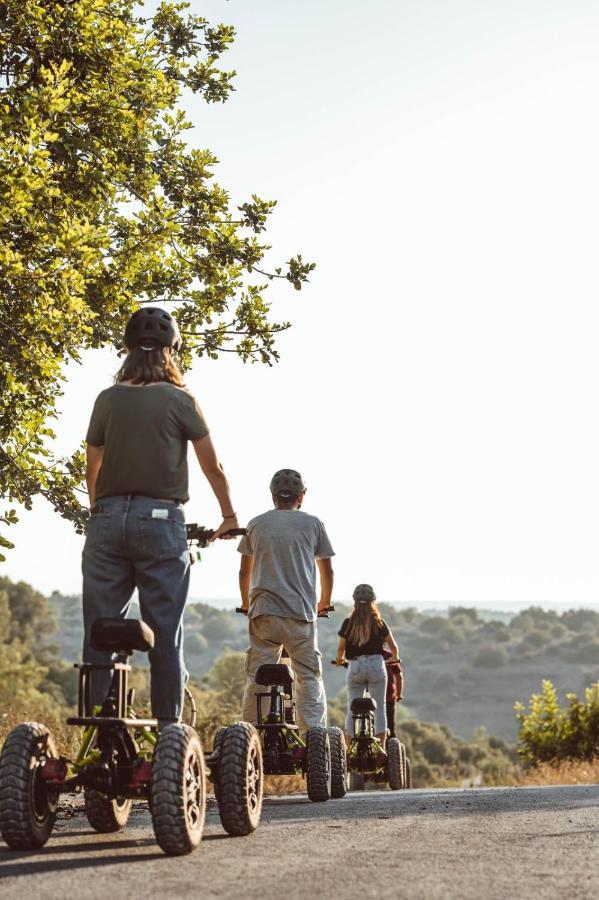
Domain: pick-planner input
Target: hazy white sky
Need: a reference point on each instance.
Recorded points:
(438, 160)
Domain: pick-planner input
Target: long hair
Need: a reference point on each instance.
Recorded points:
(363, 621)
(147, 366)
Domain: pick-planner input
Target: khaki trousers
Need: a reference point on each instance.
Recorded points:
(268, 636)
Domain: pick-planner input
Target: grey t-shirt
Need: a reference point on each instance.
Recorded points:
(285, 545)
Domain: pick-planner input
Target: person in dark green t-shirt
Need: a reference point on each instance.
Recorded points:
(137, 481)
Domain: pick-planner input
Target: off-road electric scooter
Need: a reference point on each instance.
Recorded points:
(235, 765)
(320, 758)
(123, 758)
(367, 758)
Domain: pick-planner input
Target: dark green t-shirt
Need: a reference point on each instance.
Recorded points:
(144, 431)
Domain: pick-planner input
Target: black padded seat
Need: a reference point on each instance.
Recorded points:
(121, 636)
(274, 674)
(361, 705)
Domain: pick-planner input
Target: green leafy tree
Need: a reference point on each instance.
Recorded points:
(104, 206)
(228, 675)
(21, 675)
(219, 626)
(31, 619)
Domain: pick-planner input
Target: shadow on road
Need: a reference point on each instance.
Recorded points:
(17, 863)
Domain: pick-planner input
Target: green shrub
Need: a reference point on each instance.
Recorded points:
(490, 657)
(433, 624)
(523, 622)
(195, 642)
(583, 648)
(437, 750)
(218, 626)
(464, 614)
(581, 620)
(451, 634)
(536, 638)
(551, 733)
(496, 631)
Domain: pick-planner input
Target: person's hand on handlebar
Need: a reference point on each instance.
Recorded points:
(228, 523)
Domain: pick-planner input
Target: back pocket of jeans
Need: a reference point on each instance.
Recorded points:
(157, 539)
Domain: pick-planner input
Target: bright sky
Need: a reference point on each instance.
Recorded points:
(438, 160)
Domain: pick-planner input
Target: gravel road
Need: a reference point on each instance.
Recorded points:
(416, 845)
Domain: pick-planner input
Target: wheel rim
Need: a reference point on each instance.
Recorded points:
(253, 779)
(194, 789)
(42, 800)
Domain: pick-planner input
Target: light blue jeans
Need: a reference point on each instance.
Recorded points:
(126, 548)
(367, 673)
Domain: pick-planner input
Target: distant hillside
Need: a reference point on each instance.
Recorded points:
(462, 669)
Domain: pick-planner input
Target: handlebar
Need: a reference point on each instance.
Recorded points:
(324, 614)
(201, 536)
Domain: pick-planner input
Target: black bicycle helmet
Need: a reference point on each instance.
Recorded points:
(364, 593)
(287, 483)
(151, 327)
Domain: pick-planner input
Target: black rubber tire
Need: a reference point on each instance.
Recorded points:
(178, 790)
(356, 781)
(318, 764)
(240, 779)
(27, 804)
(408, 774)
(104, 815)
(218, 736)
(338, 763)
(394, 764)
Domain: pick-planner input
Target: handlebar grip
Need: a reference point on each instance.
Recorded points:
(341, 665)
(240, 609)
(324, 613)
(203, 535)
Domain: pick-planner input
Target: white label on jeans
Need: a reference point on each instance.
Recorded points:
(160, 513)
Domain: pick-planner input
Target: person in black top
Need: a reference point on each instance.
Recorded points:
(361, 640)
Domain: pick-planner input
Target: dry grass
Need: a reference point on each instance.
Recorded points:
(66, 738)
(569, 772)
(282, 785)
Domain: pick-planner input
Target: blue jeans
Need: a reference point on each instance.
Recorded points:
(126, 548)
(367, 673)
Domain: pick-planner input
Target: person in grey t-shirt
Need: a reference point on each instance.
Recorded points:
(277, 580)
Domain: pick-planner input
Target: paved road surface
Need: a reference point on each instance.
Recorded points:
(516, 843)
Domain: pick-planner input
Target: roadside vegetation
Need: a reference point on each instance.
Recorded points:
(41, 638)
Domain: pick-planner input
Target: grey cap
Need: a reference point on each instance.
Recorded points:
(364, 593)
(287, 483)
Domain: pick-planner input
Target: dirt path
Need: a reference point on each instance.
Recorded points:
(516, 843)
